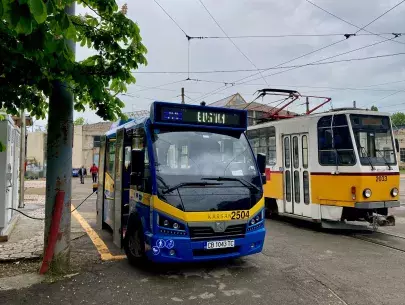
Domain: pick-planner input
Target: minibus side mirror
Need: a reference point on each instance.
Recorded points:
(261, 162)
(397, 145)
(137, 166)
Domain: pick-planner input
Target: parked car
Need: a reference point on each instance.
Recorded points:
(75, 172)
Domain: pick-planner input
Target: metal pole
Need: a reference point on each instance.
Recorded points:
(182, 96)
(59, 165)
(354, 104)
(22, 159)
(307, 105)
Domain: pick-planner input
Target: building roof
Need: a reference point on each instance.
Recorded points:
(232, 100)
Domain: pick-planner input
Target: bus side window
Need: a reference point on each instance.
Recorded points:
(147, 180)
(111, 158)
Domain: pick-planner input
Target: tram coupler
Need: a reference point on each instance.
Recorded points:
(382, 220)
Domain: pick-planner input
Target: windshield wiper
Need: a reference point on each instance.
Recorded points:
(241, 180)
(175, 187)
(385, 160)
(367, 156)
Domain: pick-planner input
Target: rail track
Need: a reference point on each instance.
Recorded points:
(384, 239)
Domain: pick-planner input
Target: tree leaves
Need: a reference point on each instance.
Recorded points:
(38, 10)
(34, 54)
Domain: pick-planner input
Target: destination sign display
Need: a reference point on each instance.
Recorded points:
(200, 115)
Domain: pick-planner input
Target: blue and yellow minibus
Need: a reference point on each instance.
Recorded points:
(182, 185)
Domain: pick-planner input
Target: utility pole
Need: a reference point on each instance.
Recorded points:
(59, 164)
(354, 104)
(22, 159)
(182, 96)
(307, 105)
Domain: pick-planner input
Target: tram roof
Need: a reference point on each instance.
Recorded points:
(321, 114)
(132, 123)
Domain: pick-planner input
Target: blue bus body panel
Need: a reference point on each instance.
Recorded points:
(187, 250)
(159, 242)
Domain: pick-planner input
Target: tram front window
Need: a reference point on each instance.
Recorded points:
(205, 171)
(373, 139)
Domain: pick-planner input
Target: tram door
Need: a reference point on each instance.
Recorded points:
(296, 175)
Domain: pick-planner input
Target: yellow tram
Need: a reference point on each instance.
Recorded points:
(333, 168)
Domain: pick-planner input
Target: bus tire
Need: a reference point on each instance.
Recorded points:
(134, 242)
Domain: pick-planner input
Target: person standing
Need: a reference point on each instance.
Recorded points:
(82, 174)
(94, 172)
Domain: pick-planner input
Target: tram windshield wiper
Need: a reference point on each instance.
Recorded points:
(367, 156)
(175, 187)
(385, 160)
(241, 180)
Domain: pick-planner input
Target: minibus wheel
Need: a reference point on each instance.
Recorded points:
(134, 243)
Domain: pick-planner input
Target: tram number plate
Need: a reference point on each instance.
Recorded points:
(220, 244)
(381, 178)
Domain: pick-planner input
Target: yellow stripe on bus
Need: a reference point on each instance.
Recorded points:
(205, 216)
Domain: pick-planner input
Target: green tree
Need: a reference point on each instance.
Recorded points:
(79, 121)
(34, 54)
(374, 108)
(398, 119)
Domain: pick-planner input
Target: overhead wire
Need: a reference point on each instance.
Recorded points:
(320, 60)
(283, 63)
(168, 15)
(266, 69)
(385, 97)
(234, 44)
(358, 27)
(332, 44)
(386, 12)
(297, 35)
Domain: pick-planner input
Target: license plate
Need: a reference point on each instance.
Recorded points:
(220, 244)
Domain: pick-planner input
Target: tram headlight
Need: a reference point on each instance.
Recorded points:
(166, 223)
(367, 193)
(394, 192)
(176, 226)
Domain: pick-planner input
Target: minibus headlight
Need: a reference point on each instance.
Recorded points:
(166, 222)
(394, 192)
(367, 193)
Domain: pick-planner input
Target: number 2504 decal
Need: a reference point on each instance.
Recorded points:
(240, 215)
(380, 178)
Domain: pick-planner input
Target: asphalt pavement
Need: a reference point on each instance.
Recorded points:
(299, 265)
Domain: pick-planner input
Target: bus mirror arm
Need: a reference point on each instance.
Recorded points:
(264, 179)
(397, 145)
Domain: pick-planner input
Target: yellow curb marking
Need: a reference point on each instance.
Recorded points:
(95, 238)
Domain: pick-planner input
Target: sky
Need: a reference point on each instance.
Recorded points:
(378, 81)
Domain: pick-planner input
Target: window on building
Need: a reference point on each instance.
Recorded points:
(96, 141)
(263, 141)
(334, 141)
(402, 154)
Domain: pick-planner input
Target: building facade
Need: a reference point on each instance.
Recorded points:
(36, 148)
(86, 143)
(86, 146)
